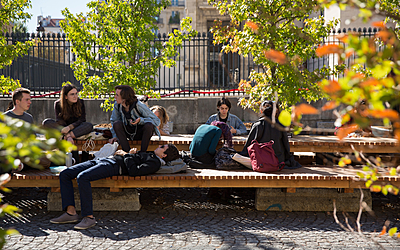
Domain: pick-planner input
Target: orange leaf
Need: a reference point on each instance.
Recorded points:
(358, 76)
(328, 49)
(383, 34)
(369, 82)
(379, 24)
(375, 188)
(305, 109)
(383, 231)
(252, 26)
(387, 113)
(332, 87)
(397, 134)
(344, 131)
(344, 38)
(329, 105)
(348, 54)
(275, 56)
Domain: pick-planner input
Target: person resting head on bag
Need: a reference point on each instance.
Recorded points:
(262, 131)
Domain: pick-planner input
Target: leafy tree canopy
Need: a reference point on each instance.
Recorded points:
(11, 11)
(280, 35)
(125, 53)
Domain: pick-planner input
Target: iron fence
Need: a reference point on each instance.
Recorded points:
(200, 68)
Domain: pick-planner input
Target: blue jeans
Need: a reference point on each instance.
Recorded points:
(84, 173)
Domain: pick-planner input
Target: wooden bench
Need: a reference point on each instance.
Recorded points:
(301, 143)
(310, 188)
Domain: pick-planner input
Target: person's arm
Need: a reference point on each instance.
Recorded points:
(214, 141)
(146, 115)
(115, 116)
(165, 129)
(82, 118)
(239, 126)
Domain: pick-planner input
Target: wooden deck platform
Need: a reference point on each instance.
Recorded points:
(301, 143)
(305, 177)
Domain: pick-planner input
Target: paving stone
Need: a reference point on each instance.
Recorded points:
(194, 222)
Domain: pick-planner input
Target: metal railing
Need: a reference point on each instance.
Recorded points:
(200, 66)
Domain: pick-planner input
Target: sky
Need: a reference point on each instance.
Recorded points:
(53, 9)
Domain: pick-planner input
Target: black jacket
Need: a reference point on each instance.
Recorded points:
(142, 163)
(262, 131)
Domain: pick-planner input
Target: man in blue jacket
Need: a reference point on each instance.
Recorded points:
(122, 163)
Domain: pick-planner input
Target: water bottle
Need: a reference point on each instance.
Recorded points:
(68, 160)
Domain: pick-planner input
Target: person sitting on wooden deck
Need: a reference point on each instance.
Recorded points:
(132, 119)
(262, 131)
(122, 163)
(235, 124)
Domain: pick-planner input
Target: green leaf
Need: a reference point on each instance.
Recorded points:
(368, 183)
(285, 118)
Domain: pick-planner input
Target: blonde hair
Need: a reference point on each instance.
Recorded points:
(164, 116)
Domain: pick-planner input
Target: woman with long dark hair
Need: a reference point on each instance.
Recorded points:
(263, 131)
(70, 115)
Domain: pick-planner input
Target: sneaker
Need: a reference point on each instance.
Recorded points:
(86, 223)
(65, 218)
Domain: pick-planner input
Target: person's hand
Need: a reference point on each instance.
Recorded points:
(133, 151)
(120, 152)
(112, 140)
(233, 131)
(136, 121)
(65, 130)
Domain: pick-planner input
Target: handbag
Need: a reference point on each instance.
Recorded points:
(263, 158)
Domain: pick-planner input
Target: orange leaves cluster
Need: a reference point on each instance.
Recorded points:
(275, 56)
(252, 26)
(329, 49)
(332, 87)
(386, 113)
(344, 131)
(329, 105)
(305, 109)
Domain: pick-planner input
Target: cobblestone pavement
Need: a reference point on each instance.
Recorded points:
(189, 219)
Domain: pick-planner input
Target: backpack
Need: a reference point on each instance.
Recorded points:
(263, 158)
(224, 161)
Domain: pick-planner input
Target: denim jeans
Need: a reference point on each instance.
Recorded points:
(84, 173)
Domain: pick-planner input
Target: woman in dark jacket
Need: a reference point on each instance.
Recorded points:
(70, 115)
(263, 131)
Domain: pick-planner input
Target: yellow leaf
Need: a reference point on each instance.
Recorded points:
(392, 231)
(285, 118)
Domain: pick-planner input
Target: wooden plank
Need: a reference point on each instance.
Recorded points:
(115, 190)
(55, 189)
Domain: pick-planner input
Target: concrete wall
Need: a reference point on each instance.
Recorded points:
(185, 113)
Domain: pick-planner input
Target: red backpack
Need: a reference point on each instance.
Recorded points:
(263, 158)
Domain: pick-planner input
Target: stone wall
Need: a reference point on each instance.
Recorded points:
(185, 113)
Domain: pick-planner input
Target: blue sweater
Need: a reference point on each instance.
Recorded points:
(205, 140)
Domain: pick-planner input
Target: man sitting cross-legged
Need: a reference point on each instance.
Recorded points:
(122, 163)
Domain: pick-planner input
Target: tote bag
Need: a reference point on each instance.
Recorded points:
(263, 158)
